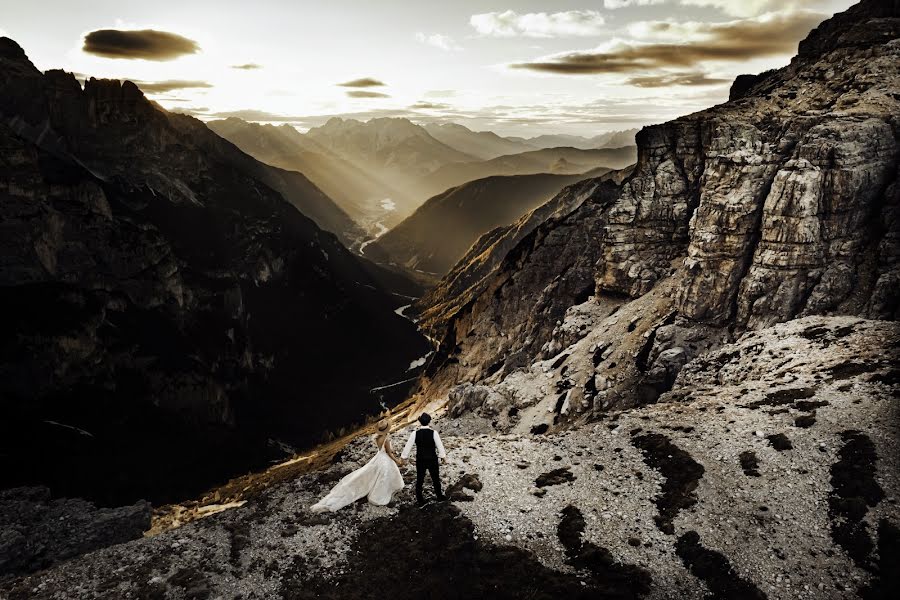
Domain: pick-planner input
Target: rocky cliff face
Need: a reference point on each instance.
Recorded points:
(165, 310)
(779, 204)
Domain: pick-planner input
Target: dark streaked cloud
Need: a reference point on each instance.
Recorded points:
(363, 82)
(365, 94)
(247, 67)
(429, 106)
(695, 78)
(147, 44)
(769, 35)
(163, 87)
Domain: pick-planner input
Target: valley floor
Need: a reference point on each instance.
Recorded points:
(784, 485)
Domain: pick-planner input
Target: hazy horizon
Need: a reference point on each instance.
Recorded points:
(518, 69)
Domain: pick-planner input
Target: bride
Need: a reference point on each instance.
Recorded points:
(378, 479)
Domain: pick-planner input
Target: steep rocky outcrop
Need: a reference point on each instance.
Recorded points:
(782, 203)
(166, 309)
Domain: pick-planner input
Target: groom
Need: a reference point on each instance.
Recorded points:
(428, 449)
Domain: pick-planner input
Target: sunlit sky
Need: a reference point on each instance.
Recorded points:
(517, 67)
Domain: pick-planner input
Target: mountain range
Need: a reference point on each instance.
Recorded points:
(359, 192)
(609, 139)
(352, 160)
(167, 309)
(562, 161)
(440, 231)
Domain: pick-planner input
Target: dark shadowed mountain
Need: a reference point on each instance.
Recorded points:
(358, 192)
(480, 144)
(562, 161)
(166, 308)
(438, 234)
(293, 185)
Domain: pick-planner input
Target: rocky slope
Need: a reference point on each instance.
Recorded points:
(166, 308)
(440, 231)
(769, 471)
(561, 161)
(779, 204)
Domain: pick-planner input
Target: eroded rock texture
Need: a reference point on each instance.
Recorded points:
(779, 204)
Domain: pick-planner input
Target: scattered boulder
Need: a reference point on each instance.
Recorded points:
(555, 477)
(749, 463)
(780, 442)
(468, 481)
(805, 421)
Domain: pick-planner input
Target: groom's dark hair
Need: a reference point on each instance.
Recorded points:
(424, 418)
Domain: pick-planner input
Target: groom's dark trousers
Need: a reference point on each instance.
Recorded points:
(428, 465)
(427, 461)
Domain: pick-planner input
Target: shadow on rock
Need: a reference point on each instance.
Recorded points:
(432, 553)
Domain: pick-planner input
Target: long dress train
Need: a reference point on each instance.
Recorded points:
(378, 479)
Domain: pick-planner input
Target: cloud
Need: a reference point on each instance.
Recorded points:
(614, 4)
(540, 25)
(768, 35)
(362, 83)
(429, 106)
(365, 94)
(696, 78)
(247, 67)
(163, 87)
(147, 44)
(749, 8)
(440, 93)
(438, 40)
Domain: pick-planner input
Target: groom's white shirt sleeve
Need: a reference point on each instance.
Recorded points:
(440, 445)
(409, 445)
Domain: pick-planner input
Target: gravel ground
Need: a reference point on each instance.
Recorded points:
(644, 480)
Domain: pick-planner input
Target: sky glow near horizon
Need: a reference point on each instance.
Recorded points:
(517, 67)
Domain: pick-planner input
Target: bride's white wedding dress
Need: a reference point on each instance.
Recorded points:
(378, 479)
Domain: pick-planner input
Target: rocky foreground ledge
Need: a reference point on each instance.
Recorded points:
(771, 470)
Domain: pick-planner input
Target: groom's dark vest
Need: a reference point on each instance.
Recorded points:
(425, 448)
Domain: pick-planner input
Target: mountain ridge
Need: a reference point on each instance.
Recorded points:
(162, 296)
